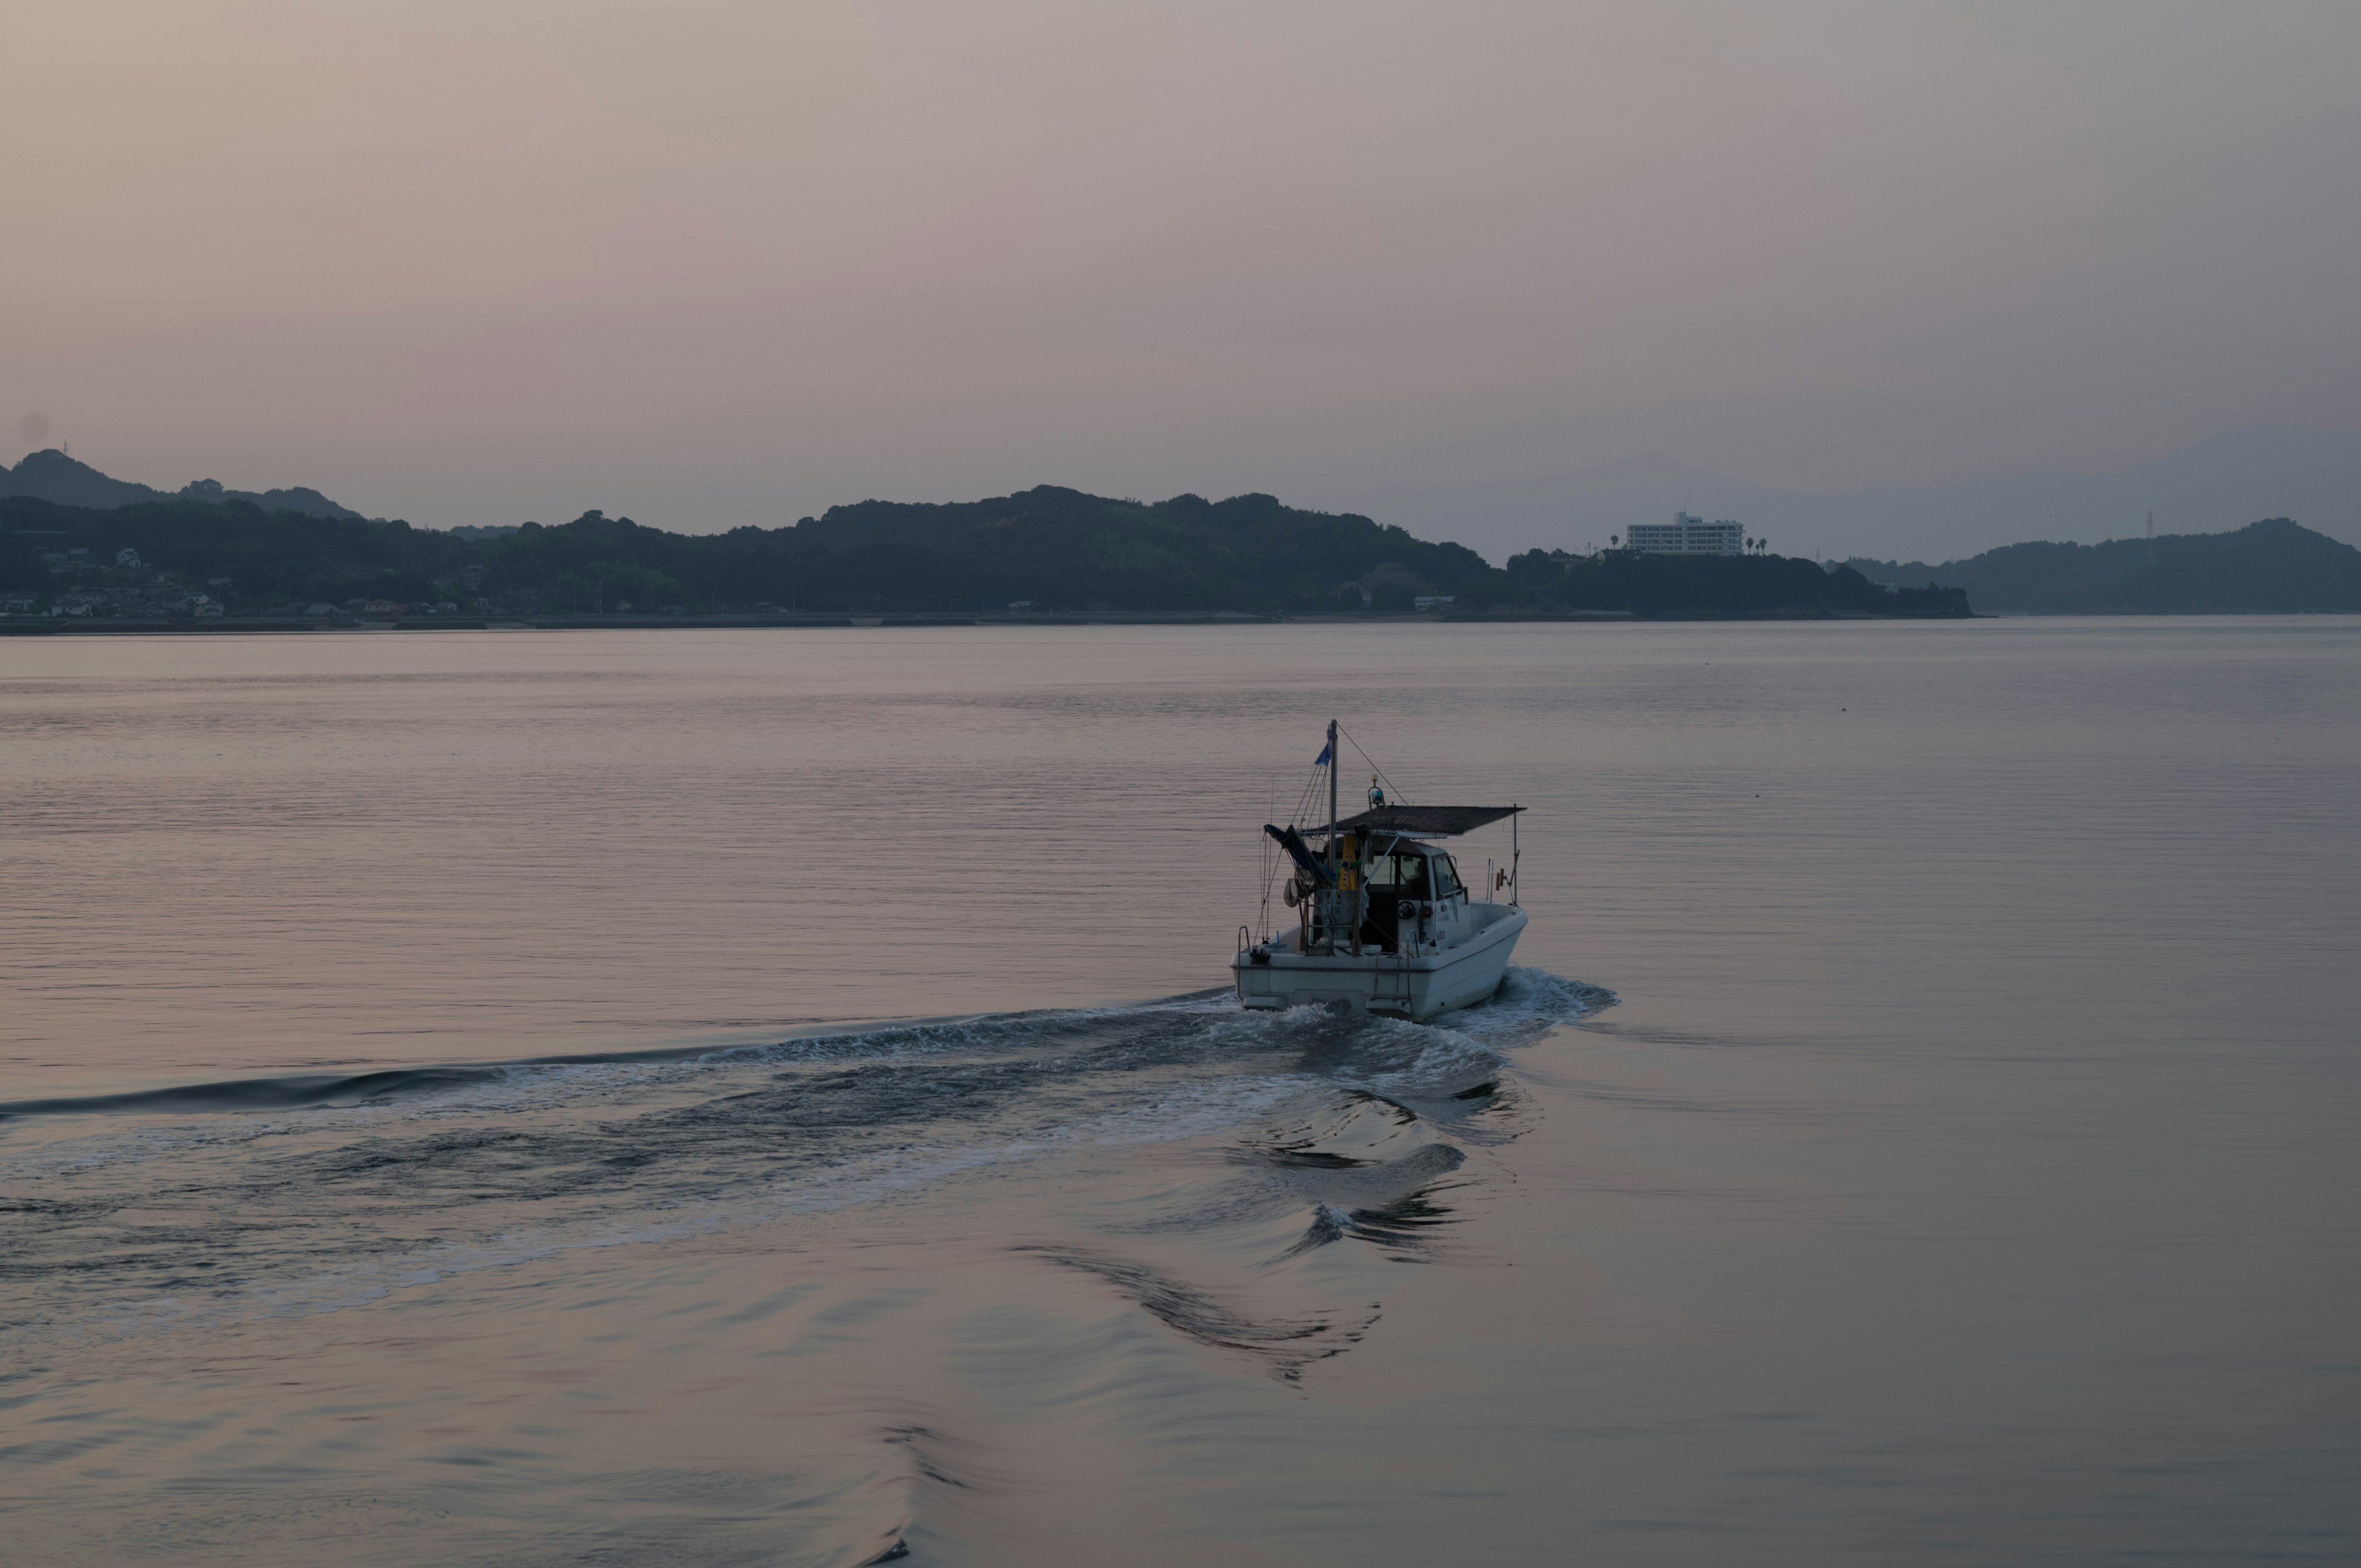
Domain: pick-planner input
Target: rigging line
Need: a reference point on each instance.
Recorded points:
(1366, 758)
(1270, 852)
(1304, 801)
(1270, 856)
(1391, 791)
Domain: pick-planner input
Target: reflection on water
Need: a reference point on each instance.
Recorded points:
(452, 1110)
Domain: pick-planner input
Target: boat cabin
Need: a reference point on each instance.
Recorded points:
(1414, 891)
(1373, 885)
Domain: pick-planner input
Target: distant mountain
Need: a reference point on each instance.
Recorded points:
(1058, 548)
(1048, 549)
(2273, 566)
(1053, 549)
(51, 476)
(2314, 475)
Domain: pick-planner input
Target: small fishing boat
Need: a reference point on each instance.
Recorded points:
(1384, 921)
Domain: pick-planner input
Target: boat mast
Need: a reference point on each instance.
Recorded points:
(1335, 857)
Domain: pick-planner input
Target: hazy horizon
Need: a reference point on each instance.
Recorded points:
(731, 264)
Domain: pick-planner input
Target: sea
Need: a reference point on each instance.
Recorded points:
(772, 1097)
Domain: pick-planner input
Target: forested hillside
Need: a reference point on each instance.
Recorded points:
(1694, 587)
(1047, 548)
(51, 476)
(2275, 565)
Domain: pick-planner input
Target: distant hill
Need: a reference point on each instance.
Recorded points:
(51, 476)
(2273, 566)
(1542, 582)
(1062, 549)
(2218, 483)
(1053, 549)
(1048, 549)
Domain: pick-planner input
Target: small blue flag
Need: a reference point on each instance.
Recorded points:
(1322, 760)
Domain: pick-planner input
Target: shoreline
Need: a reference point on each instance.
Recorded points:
(82, 626)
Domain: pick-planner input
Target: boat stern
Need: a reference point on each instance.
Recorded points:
(1258, 982)
(1272, 976)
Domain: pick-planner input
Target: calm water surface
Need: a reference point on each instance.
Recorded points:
(757, 1097)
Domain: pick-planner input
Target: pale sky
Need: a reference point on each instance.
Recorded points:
(482, 260)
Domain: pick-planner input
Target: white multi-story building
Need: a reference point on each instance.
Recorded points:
(1687, 535)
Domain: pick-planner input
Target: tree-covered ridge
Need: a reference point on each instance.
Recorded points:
(51, 476)
(1550, 582)
(1061, 548)
(2273, 566)
(1049, 547)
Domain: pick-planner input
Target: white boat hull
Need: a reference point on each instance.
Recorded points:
(1417, 986)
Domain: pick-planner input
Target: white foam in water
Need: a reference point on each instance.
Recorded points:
(1530, 1002)
(1192, 1112)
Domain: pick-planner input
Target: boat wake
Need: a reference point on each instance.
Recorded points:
(283, 1196)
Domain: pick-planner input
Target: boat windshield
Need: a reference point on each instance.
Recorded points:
(1411, 875)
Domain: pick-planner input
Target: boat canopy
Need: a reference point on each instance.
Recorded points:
(1426, 821)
